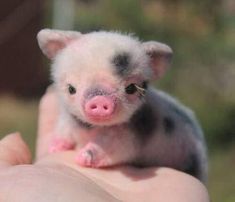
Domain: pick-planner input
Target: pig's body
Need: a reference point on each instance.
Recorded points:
(161, 133)
(107, 111)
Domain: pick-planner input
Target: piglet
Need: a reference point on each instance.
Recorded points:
(108, 111)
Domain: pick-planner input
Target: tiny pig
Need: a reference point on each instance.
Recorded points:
(109, 113)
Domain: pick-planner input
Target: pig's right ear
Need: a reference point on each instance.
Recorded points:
(52, 41)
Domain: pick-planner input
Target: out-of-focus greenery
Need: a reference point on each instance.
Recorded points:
(202, 35)
(221, 183)
(19, 116)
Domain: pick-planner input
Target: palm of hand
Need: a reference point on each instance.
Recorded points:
(56, 177)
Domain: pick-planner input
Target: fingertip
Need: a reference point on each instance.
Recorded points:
(13, 150)
(12, 137)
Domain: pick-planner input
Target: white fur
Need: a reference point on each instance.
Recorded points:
(85, 61)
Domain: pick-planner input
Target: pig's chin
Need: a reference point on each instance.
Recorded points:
(100, 121)
(114, 119)
(95, 123)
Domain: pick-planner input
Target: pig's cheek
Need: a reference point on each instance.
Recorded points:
(69, 101)
(132, 98)
(72, 101)
(71, 98)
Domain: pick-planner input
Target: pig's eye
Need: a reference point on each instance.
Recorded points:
(71, 89)
(131, 89)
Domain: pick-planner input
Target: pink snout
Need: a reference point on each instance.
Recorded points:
(99, 107)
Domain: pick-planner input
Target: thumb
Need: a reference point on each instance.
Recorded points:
(13, 151)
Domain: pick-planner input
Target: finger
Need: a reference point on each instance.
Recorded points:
(48, 113)
(13, 151)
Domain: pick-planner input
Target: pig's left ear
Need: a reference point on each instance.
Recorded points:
(160, 57)
(52, 41)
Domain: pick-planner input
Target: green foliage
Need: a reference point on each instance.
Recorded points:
(18, 115)
(221, 176)
(203, 72)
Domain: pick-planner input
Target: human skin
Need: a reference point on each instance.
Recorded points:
(57, 177)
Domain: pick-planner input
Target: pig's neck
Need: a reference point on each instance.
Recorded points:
(81, 123)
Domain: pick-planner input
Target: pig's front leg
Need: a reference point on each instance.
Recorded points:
(107, 150)
(58, 144)
(92, 155)
(62, 138)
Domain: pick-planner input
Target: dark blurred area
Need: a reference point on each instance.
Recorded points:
(21, 68)
(201, 33)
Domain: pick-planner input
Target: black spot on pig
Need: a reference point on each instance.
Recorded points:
(192, 166)
(169, 125)
(144, 122)
(121, 61)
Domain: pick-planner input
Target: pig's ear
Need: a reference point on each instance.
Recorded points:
(52, 41)
(160, 57)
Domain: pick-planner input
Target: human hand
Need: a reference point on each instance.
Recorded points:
(56, 177)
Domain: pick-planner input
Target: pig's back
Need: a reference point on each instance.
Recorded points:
(173, 137)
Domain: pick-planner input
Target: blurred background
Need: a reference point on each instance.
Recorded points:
(201, 33)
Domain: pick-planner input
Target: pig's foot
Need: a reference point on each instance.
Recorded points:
(60, 144)
(92, 156)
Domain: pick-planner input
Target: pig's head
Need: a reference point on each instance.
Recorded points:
(101, 77)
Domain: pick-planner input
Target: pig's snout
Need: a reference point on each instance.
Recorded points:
(100, 107)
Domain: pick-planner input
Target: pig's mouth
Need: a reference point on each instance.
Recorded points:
(86, 124)
(98, 120)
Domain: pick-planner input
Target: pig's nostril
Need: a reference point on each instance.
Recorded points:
(99, 107)
(93, 106)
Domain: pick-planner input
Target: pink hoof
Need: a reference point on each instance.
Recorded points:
(58, 145)
(85, 158)
(92, 156)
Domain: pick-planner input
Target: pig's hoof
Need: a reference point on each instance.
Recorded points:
(58, 145)
(92, 157)
(85, 158)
